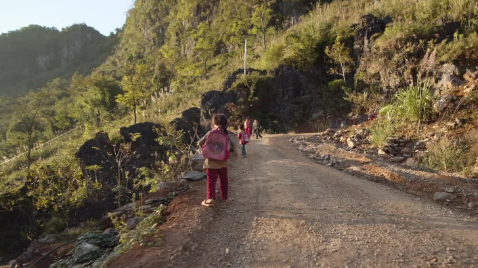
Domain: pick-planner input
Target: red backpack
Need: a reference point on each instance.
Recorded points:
(245, 139)
(216, 145)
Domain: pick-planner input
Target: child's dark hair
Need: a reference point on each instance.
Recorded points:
(220, 120)
(241, 127)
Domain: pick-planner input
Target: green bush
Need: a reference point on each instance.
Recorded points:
(461, 47)
(453, 155)
(380, 131)
(414, 104)
(55, 225)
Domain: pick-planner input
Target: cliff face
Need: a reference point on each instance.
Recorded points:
(32, 56)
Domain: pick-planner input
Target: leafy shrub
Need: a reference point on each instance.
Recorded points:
(380, 131)
(363, 102)
(445, 155)
(273, 57)
(414, 104)
(55, 225)
(453, 155)
(461, 47)
(397, 33)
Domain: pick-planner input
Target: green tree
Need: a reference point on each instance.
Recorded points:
(172, 56)
(260, 19)
(340, 54)
(205, 44)
(94, 97)
(28, 120)
(135, 87)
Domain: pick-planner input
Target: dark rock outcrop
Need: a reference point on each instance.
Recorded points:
(143, 138)
(231, 79)
(368, 26)
(190, 124)
(213, 102)
(88, 248)
(99, 152)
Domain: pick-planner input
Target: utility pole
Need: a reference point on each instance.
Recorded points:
(245, 58)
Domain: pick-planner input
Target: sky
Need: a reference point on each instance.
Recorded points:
(104, 15)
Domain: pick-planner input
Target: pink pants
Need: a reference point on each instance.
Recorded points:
(212, 175)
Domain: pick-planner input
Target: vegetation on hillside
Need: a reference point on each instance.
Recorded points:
(363, 56)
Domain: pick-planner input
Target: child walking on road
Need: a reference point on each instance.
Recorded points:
(243, 139)
(216, 145)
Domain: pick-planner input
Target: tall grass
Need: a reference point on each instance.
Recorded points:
(414, 104)
(380, 131)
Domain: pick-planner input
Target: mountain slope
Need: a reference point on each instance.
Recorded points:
(34, 55)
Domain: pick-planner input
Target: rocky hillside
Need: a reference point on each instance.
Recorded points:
(406, 70)
(34, 55)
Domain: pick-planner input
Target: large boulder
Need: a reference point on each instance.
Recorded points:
(368, 26)
(197, 162)
(190, 124)
(213, 102)
(97, 152)
(443, 197)
(143, 138)
(194, 176)
(133, 222)
(449, 77)
(88, 248)
(231, 79)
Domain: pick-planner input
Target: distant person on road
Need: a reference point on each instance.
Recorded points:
(244, 139)
(216, 145)
(248, 126)
(257, 129)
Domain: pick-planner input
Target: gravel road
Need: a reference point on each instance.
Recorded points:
(290, 212)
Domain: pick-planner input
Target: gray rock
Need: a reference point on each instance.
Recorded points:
(382, 153)
(350, 143)
(449, 81)
(85, 252)
(171, 185)
(197, 162)
(421, 145)
(472, 205)
(133, 223)
(12, 264)
(111, 231)
(397, 159)
(194, 176)
(444, 102)
(443, 197)
(25, 257)
(49, 239)
(450, 190)
(411, 162)
(406, 150)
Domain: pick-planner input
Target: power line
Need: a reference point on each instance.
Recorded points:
(47, 143)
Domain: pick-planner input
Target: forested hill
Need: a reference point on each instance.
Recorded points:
(34, 55)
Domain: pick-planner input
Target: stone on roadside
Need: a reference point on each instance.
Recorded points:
(350, 143)
(382, 153)
(421, 145)
(25, 257)
(472, 205)
(397, 159)
(49, 239)
(443, 197)
(411, 162)
(85, 252)
(133, 222)
(194, 176)
(197, 162)
(171, 185)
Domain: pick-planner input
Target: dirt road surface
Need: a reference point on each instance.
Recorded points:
(290, 212)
